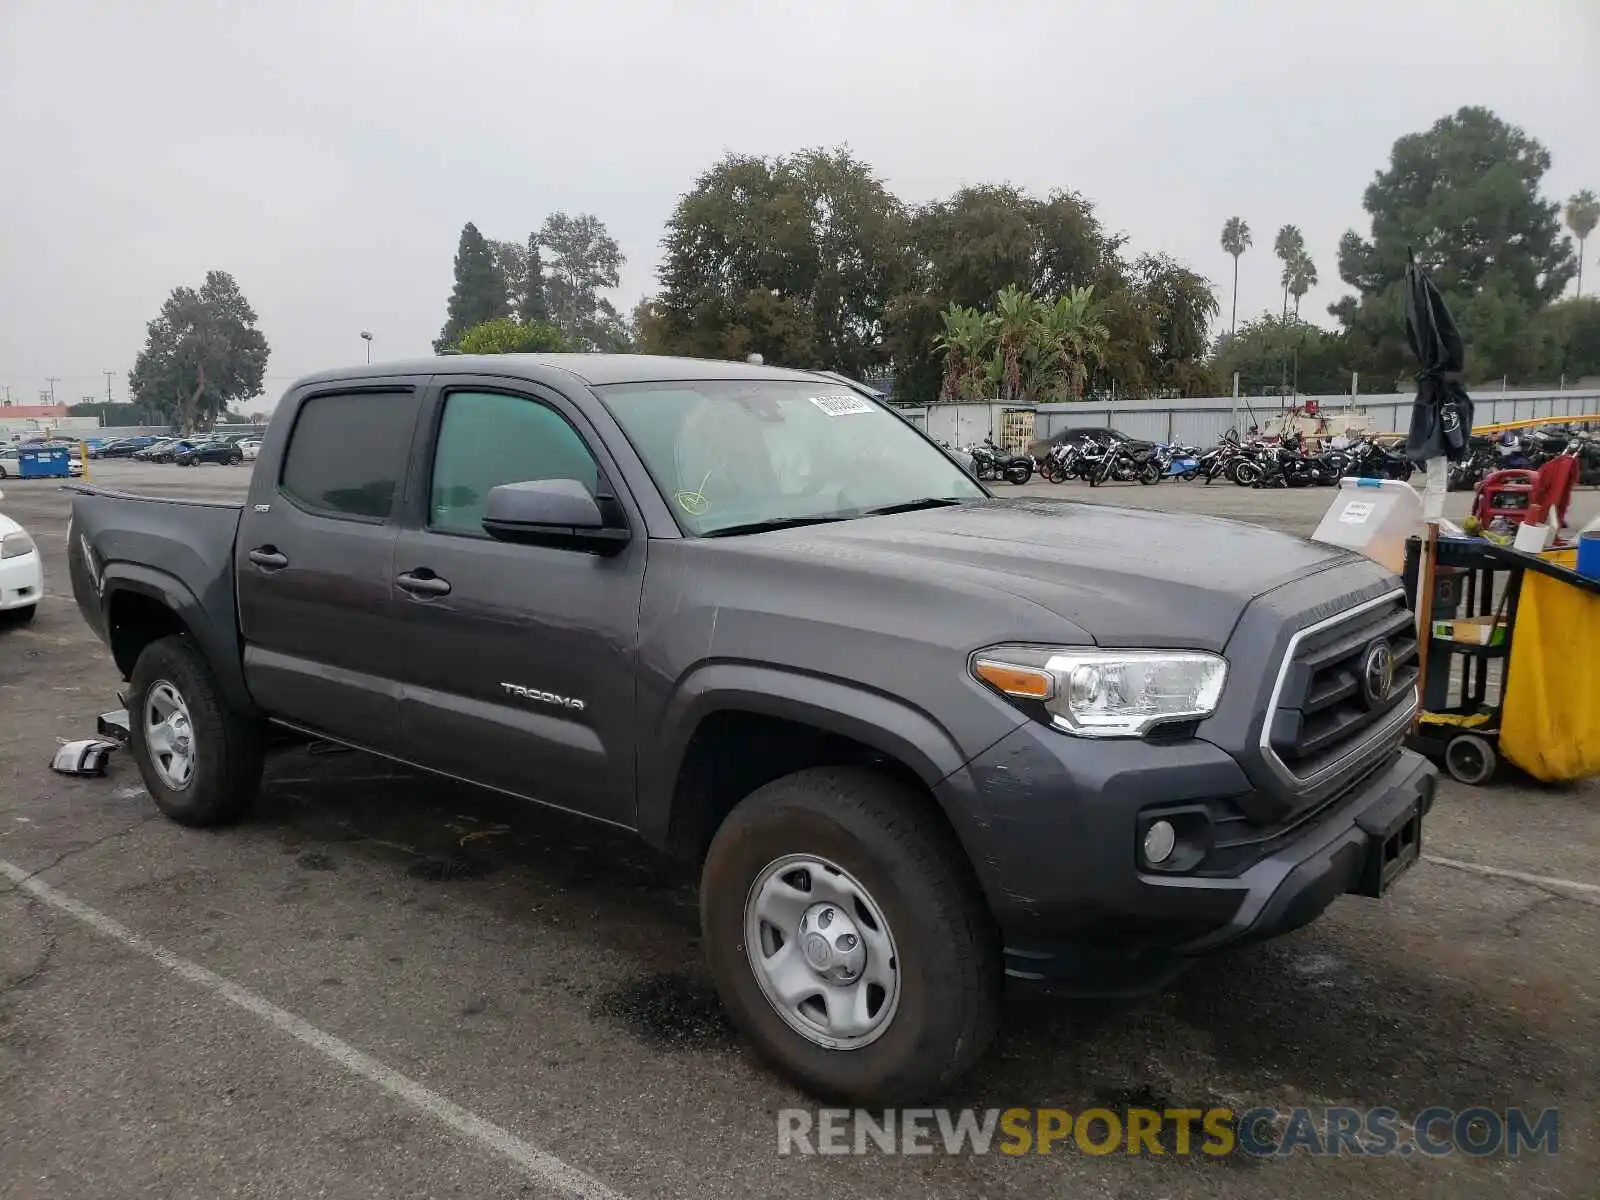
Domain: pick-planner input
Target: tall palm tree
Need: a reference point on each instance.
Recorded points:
(1235, 241)
(1289, 245)
(1583, 214)
(1302, 277)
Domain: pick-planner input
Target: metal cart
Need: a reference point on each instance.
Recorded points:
(1545, 719)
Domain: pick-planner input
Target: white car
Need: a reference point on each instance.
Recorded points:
(250, 447)
(21, 573)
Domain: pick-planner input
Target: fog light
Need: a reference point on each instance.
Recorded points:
(1159, 840)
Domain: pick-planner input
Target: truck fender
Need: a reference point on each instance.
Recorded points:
(220, 647)
(887, 724)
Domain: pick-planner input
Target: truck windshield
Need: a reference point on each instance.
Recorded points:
(743, 455)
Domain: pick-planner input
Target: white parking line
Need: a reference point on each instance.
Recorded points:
(1542, 881)
(536, 1164)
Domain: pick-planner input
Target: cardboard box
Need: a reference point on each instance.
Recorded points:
(1476, 631)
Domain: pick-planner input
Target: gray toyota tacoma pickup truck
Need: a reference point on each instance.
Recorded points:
(917, 739)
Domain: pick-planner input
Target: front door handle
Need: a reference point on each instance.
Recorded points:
(422, 584)
(268, 557)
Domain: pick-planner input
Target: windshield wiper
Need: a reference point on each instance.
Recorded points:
(912, 505)
(768, 525)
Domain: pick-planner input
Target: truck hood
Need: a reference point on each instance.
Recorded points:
(1124, 577)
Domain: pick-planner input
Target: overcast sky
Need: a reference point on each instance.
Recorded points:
(328, 153)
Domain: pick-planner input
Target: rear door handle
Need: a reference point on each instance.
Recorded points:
(419, 584)
(268, 557)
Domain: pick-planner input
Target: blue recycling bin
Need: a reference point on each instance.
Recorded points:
(54, 462)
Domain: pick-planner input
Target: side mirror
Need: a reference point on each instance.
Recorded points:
(551, 512)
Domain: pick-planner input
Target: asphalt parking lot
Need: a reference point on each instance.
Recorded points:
(392, 986)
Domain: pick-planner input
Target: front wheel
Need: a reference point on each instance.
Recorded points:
(1050, 470)
(1150, 473)
(1019, 473)
(848, 938)
(199, 759)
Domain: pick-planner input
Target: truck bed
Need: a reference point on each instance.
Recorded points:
(179, 552)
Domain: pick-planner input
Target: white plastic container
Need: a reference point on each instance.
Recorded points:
(1373, 517)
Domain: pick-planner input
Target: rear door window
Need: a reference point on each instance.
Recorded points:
(347, 454)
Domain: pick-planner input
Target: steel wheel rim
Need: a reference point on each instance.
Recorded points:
(822, 952)
(169, 735)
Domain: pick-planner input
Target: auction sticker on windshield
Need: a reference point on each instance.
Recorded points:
(841, 406)
(1356, 512)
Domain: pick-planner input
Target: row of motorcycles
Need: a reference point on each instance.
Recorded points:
(1287, 462)
(1528, 451)
(1254, 463)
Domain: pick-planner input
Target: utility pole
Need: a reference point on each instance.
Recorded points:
(108, 375)
(52, 381)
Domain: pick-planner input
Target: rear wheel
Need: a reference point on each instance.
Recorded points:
(1019, 473)
(848, 938)
(199, 759)
(1248, 474)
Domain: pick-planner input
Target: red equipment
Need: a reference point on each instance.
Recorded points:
(1504, 494)
(1554, 489)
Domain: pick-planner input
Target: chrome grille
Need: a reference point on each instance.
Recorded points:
(1327, 717)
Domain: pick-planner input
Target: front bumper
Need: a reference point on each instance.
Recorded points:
(21, 581)
(1052, 826)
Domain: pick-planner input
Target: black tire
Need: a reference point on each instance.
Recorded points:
(236, 460)
(227, 746)
(19, 616)
(1019, 474)
(947, 949)
(1050, 471)
(1470, 759)
(1150, 473)
(1249, 474)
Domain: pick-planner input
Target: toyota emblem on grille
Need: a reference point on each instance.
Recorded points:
(1377, 674)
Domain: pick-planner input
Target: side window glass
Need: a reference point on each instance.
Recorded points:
(347, 454)
(485, 440)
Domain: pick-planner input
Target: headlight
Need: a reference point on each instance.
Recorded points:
(15, 545)
(1107, 693)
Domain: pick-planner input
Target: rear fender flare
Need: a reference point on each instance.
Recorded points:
(220, 647)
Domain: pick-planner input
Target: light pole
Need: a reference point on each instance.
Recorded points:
(366, 336)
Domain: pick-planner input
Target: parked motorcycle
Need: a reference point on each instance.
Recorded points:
(1368, 460)
(990, 462)
(1289, 465)
(1121, 464)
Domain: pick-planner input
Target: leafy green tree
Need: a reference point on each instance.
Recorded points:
(202, 353)
(1567, 335)
(479, 294)
(507, 335)
(584, 262)
(794, 258)
(967, 249)
(1180, 305)
(1583, 214)
(111, 413)
(532, 304)
(1266, 349)
(1236, 240)
(1465, 196)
